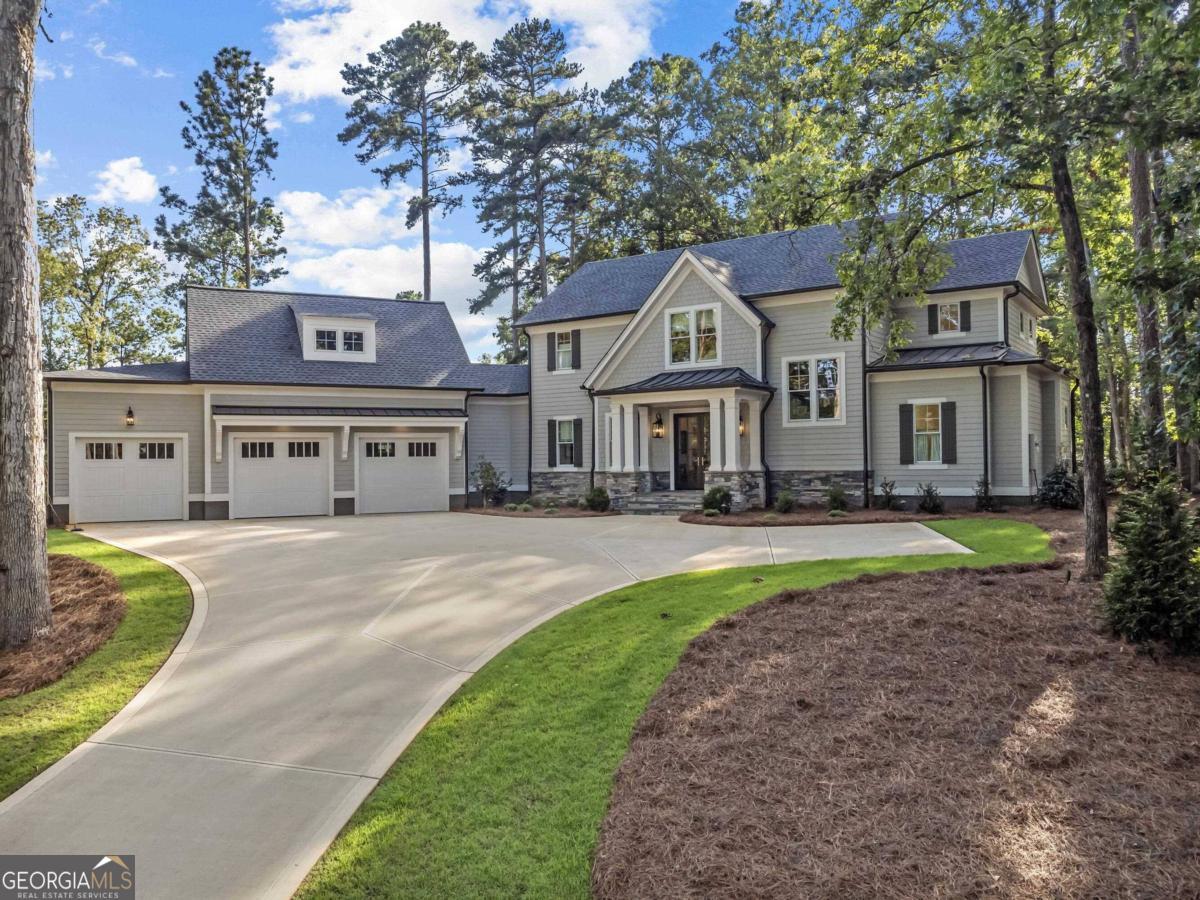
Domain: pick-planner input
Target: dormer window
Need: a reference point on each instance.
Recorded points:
(352, 341)
(348, 339)
(326, 339)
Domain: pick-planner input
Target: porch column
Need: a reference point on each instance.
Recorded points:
(754, 427)
(731, 435)
(714, 434)
(643, 458)
(627, 443)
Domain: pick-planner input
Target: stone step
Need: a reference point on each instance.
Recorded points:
(665, 503)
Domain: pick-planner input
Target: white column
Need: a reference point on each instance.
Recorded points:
(731, 435)
(754, 426)
(627, 443)
(714, 434)
(643, 458)
(345, 442)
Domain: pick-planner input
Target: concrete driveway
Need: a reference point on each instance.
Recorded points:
(319, 647)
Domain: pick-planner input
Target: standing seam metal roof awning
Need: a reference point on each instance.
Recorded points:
(381, 412)
(691, 380)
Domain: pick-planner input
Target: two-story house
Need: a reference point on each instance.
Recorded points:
(689, 368)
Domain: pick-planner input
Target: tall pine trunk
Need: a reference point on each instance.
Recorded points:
(1149, 344)
(427, 281)
(516, 292)
(24, 581)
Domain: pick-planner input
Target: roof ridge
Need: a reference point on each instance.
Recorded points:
(207, 287)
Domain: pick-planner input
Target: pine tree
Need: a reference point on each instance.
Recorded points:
(227, 131)
(408, 99)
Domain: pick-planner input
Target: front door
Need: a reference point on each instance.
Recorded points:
(691, 450)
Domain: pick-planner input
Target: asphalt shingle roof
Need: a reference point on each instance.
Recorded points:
(761, 265)
(147, 372)
(730, 376)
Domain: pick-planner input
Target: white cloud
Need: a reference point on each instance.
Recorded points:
(317, 37)
(66, 35)
(162, 73)
(303, 117)
(45, 71)
(125, 180)
(120, 57)
(357, 216)
(43, 159)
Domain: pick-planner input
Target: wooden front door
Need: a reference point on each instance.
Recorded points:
(691, 451)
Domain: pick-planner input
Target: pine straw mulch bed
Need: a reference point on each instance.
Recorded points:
(966, 733)
(87, 606)
(814, 515)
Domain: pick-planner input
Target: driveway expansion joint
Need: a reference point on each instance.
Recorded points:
(233, 759)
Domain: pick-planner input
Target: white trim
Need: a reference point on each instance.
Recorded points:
(340, 325)
(616, 352)
(324, 438)
(694, 362)
(1025, 461)
(345, 495)
(208, 427)
(361, 436)
(938, 400)
(785, 406)
(558, 467)
(929, 464)
(301, 390)
(595, 322)
(119, 387)
(73, 438)
(447, 422)
(818, 296)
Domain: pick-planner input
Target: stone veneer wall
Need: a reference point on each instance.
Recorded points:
(810, 487)
(563, 485)
(747, 488)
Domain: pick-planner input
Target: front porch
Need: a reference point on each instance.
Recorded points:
(664, 445)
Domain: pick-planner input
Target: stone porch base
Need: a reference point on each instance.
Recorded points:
(810, 486)
(747, 488)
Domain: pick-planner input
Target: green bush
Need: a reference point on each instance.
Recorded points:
(1060, 489)
(597, 500)
(887, 497)
(785, 502)
(931, 499)
(490, 482)
(1152, 592)
(838, 514)
(985, 500)
(524, 507)
(550, 510)
(835, 498)
(710, 513)
(510, 507)
(719, 498)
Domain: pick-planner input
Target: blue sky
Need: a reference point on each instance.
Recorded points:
(107, 117)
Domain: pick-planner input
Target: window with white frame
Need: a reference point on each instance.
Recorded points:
(304, 449)
(927, 432)
(563, 351)
(949, 317)
(380, 449)
(258, 450)
(692, 336)
(326, 339)
(156, 450)
(422, 448)
(814, 389)
(352, 341)
(566, 442)
(102, 450)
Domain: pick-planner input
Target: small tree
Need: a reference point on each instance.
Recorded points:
(931, 499)
(985, 500)
(1152, 592)
(490, 482)
(836, 499)
(718, 498)
(1060, 489)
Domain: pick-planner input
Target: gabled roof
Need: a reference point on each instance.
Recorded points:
(763, 265)
(730, 376)
(954, 356)
(505, 379)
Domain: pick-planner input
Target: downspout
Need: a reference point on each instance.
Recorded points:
(762, 424)
(1008, 296)
(595, 440)
(868, 487)
(529, 417)
(1074, 393)
(467, 453)
(987, 429)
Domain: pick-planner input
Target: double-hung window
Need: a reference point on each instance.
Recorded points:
(814, 390)
(562, 350)
(692, 336)
(566, 442)
(927, 432)
(949, 317)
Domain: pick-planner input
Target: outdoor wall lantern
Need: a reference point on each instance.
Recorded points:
(741, 424)
(658, 429)
(130, 418)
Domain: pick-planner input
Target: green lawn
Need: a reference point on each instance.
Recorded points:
(41, 727)
(503, 792)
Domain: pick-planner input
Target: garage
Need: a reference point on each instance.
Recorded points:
(403, 473)
(118, 479)
(285, 475)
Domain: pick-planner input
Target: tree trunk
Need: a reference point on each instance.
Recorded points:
(1149, 344)
(516, 293)
(24, 581)
(427, 282)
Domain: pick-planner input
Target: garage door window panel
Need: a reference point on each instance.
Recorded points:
(103, 450)
(258, 450)
(156, 450)
(422, 448)
(304, 449)
(381, 449)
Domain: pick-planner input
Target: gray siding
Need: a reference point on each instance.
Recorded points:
(499, 433)
(985, 322)
(560, 393)
(1033, 430)
(647, 356)
(105, 412)
(886, 398)
(1016, 339)
(802, 329)
(1008, 431)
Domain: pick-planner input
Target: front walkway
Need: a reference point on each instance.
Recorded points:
(327, 644)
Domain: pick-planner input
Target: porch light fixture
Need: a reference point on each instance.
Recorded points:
(130, 418)
(657, 429)
(741, 424)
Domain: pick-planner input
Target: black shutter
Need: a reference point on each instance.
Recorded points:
(949, 432)
(964, 316)
(552, 447)
(578, 442)
(933, 318)
(551, 351)
(906, 434)
(575, 363)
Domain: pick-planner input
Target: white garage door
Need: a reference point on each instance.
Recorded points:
(287, 476)
(120, 480)
(403, 474)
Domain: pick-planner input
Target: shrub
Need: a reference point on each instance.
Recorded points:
(524, 507)
(719, 498)
(985, 500)
(931, 499)
(835, 498)
(785, 502)
(490, 482)
(1060, 489)
(1152, 592)
(550, 510)
(838, 514)
(510, 507)
(597, 500)
(710, 513)
(888, 498)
